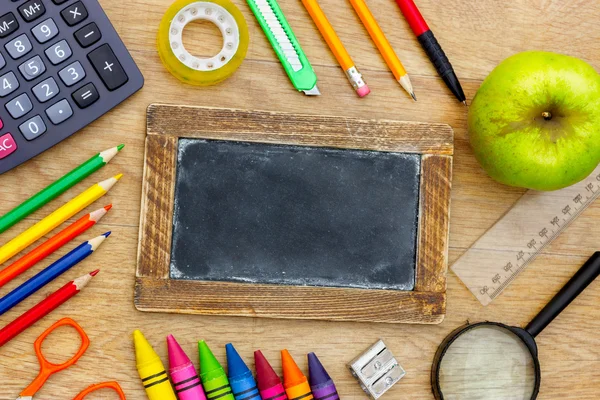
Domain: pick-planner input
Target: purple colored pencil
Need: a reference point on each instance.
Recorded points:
(321, 384)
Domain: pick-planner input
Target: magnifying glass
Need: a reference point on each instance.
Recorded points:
(491, 360)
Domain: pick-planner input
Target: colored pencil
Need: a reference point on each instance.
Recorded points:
(57, 188)
(51, 245)
(295, 383)
(386, 50)
(59, 216)
(240, 377)
(50, 273)
(44, 307)
(215, 382)
(432, 47)
(337, 47)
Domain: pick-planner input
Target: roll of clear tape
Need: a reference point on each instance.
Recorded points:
(195, 70)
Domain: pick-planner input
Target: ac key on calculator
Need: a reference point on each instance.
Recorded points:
(57, 59)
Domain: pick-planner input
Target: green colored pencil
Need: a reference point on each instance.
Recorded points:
(58, 187)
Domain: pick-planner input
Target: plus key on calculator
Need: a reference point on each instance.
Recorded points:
(62, 65)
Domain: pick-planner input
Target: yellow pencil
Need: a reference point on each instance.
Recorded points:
(337, 47)
(59, 216)
(390, 57)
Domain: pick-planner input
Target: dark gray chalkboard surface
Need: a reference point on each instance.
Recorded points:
(295, 215)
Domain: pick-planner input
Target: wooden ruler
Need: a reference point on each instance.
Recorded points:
(516, 239)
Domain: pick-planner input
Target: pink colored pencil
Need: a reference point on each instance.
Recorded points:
(185, 379)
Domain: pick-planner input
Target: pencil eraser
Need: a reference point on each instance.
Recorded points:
(363, 91)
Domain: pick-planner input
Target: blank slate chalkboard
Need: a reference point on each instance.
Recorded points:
(295, 215)
(283, 215)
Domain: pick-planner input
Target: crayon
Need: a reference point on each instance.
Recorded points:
(295, 383)
(185, 379)
(214, 379)
(321, 383)
(242, 382)
(269, 383)
(151, 369)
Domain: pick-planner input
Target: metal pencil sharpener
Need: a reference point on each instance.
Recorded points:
(376, 370)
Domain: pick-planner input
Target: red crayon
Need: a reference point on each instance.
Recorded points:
(269, 384)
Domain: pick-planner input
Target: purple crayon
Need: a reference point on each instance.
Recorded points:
(186, 381)
(321, 384)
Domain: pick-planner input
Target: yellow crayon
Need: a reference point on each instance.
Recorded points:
(152, 371)
(59, 216)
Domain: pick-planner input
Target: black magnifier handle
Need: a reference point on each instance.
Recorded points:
(582, 278)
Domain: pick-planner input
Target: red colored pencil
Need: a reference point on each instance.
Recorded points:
(51, 245)
(44, 307)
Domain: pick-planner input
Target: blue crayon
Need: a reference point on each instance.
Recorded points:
(240, 377)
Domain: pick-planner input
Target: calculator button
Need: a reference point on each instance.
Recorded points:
(32, 10)
(33, 127)
(7, 145)
(19, 106)
(74, 14)
(8, 84)
(19, 46)
(88, 35)
(59, 1)
(32, 68)
(72, 73)
(86, 96)
(58, 52)
(59, 112)
(45, 30)
(2, 61)
(8, 24)
(45, 90)
(108, 67)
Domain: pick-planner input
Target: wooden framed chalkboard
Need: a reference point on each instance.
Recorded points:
(262, 214)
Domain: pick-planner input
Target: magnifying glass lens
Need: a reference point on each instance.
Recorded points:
(487, 362)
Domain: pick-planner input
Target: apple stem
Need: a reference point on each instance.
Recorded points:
(547, 115)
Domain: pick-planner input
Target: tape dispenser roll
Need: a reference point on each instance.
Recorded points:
(203, 71)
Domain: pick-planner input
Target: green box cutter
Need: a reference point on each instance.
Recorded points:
(286, 46)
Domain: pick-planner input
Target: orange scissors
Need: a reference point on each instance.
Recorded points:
(47, 368)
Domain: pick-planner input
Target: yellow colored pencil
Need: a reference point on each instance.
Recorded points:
(336, 46)
(386, 50)
(59, 216)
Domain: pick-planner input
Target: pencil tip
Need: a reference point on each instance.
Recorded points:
(120, 147)
(465, 103)
(108, 207)
(106, 234)
(413, 96)
(95, 272)
(117, 177)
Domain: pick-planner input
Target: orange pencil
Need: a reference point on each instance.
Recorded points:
(386, 50)
(295, 383)
(51, 245)
(337, 47)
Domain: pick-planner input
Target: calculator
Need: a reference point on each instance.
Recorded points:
(62, 65)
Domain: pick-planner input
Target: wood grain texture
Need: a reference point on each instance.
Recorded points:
(166, 124)
(476, 36)
(432, 258)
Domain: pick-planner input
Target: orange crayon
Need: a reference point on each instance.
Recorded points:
(295, 383)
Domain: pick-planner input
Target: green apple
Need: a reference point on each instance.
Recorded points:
(535, 121)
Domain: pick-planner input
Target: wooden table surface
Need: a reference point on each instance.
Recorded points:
(476, 35)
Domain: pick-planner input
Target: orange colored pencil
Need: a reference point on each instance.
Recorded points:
(51, 245)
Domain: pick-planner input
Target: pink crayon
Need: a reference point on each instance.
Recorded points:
(185, 379)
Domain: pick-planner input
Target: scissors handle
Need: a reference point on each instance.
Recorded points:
(109, 385)
(46, 367)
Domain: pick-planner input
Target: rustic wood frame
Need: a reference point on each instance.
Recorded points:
(155, 291)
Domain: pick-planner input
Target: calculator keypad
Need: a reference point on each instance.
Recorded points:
(19, 106)
(19, 46)
(8, 84)
(45, 30)
(45, 90)
(57, 58)
(32, 68)
(74, 14)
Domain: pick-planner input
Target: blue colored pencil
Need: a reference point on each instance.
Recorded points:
(45, 276)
